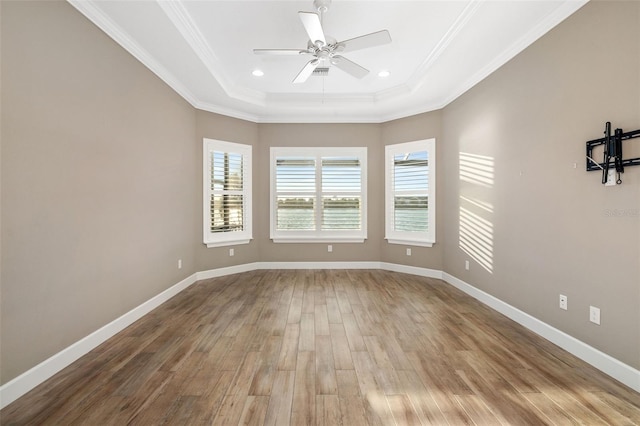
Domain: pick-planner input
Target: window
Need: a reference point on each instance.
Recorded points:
(410, 198)
(318, 194)
(227, 193)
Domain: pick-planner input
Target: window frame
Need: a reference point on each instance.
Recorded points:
(318, 235)
(413, 238)
(227, 238)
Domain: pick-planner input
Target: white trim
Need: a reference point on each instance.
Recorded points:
(410, 242)
(221, 239)
(28, 380)
(413, 270)
(22, 384)
(419, 238)
(120, 36)
(317, 235)
(550, 21)
(336, 240)
(319, 265)
(229, 270)
(420, 76)
(184, 23)
(607, 364)
(228, 243)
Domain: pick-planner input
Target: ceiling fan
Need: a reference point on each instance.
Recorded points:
(324, 49)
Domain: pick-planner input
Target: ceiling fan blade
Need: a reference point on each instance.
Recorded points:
(365, 41)
(349, 67)
(304, 74)
(312, 25)
(289, 52)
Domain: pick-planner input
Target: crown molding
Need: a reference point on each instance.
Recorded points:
(102, 21)
(566, 9)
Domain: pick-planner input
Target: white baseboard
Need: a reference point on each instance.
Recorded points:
(17, 387)
(603, 362)
(413, 270)
(319, 265)
(28, 380)
(229, 270)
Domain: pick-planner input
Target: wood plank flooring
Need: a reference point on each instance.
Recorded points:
(326, 347)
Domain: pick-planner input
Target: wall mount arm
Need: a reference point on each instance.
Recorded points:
(612, 153)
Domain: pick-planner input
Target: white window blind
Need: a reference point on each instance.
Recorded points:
(295, 188)
(227, 193)
(410, 193)
(341, 188)
(318, 194)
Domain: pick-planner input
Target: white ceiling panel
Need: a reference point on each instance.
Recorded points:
(439, 49)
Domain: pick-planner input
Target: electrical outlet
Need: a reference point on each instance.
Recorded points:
(330, 248)
(563, 302)
(231, 252)
(179, 263)
(408, 252)
(466, 265)
(594, 315)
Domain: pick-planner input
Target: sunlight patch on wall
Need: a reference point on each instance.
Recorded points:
(488, 207)
(476, 238)
(476, 231)
(476, 169)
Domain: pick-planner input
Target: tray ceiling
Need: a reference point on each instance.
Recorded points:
(439, 50)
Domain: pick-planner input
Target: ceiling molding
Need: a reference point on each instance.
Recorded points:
(113, 30)
(560, 14)
(184, 23)
(198, 73)
(419, 76)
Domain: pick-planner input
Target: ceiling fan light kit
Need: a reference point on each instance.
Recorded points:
(325, 49)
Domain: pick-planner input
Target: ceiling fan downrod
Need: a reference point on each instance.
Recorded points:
(322, 5)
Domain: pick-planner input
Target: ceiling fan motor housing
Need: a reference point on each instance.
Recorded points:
(324, 49)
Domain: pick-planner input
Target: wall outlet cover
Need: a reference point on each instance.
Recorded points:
(563, 302)
(594, 315)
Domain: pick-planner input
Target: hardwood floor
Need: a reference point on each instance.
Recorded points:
(326, 347)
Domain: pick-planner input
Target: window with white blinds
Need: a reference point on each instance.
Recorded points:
(227, 193)
(318, 194)
(410, 193)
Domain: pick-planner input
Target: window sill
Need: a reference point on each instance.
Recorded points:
(228, 243)
(410, 242)
(317, 240)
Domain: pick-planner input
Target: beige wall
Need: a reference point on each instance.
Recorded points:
(417, 127)
(102, 182)
(220, 127)
(98, 172)
(264, 136)
(550, 227)
(356, 135)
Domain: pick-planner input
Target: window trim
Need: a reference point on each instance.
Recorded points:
(317, 236)
(222, 239)
(413, 238)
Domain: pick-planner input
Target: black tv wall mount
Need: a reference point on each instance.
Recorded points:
(612, 161)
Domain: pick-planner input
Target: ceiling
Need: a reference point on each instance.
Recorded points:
(439, 50)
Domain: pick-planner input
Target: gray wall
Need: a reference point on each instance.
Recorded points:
(99, 182)
(418, 127)
(552, 228)
(367, 135)
(102, 182)
(220, 127)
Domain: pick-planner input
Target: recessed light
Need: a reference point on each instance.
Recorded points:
(257, 73)
(384, 73)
